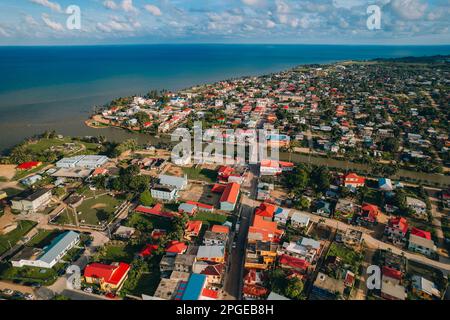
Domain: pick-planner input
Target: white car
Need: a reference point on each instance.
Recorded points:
(8, 292)
(29, 296)
(88, 290)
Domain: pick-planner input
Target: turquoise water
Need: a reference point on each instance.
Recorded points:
(46, 88)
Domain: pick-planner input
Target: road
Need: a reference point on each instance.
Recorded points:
(234, 278)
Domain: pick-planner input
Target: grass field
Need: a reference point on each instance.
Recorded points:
(206, 175)
(43, 238)
(23, 227)
(211, 218)
(28, 275)
(118, 253)
(92, 211)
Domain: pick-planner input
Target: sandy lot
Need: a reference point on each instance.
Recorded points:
(7, 171)
(200, 193)
(174, 170)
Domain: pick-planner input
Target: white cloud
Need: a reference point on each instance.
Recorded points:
(154, 10)
(409, 9)
(270, 24)
(56, 26)
(46, 3)
(30, 20)
(252, 2)
(4, 33)
(110, 4)
(127, 5)
(115, 24)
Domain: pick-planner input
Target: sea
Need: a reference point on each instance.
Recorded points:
(57, 88)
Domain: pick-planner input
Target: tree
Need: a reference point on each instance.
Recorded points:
(146, 199)
(294, 289)
(321, 178)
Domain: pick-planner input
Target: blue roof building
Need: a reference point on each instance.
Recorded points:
(194, 287)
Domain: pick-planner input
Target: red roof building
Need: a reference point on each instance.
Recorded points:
(230, 196)
(293, 263)
(148, 250)
(176, 247)
(392, 273)
(220, 229)
(265, 210)
(218, 188)
(193, 228)
(264, 230)
(29, 165)
(156, 211)
(397, 226)
(110, 277)
(353, 180)
(369, 212)
(421, 233)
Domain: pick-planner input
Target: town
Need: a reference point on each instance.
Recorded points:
(362, 180)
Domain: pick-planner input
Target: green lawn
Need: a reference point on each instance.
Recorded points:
(43, 238)
(117, 253)
(201, 174)
(12, 191)
(348, 256)
(23, 227)
(45, 144)
(211, 218)
(92, 211)
(147, 283)
(28, 275)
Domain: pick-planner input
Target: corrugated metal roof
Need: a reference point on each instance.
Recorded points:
(58, 245)
(194, 287)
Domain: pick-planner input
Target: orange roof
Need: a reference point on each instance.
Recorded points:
(265, 210)
(220, 229)
(270, 163)
(231, 193)
(108, 273)
(194, 226)
(268, 229)
(176, 247)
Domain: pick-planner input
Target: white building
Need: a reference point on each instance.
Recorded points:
(50, 255)
(299, 220)
(419, 207)
(83, 161)
(165, 193)
(179, 183)
(31, 201)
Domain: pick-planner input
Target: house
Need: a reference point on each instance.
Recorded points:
(418, 206)
(260, 254)
(266, 211)
(299, 220)
(164, 193)
(391, 290)
(368, 214)
(148, 250)
(293, 263)
(323, 208)
(167, 289)
(30, 181)
(213, 271)
(385, 184)
(281, 215)
(346, 208)
(229, 197)
(50, 255)
(175, 247)
(211, 253)
(31, 201)
(193, 228)
(263, 192)
(155, 211)
(420, 241)
(215, 238)
(179, 183)
(124, 232)
(224, 173)
(220, 229)
(306, 249)
(269, 168)
(167, 264)
(264, 230)
(327, 288)
(29, 165)
(425, 288)
(184, 262)
(187, 208)
(109, 277)
(202, 206)
(353, 181)
(396, 230)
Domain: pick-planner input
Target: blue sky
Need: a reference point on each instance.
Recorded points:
(35, 22)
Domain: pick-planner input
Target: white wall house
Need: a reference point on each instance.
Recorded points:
(51, 254)
(32, 201)
(165, 193)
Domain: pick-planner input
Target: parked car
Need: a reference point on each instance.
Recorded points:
(29, 296)
(8, 292)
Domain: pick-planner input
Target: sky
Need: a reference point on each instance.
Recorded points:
(44, 22)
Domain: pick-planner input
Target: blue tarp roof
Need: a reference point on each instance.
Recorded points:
(194, 287)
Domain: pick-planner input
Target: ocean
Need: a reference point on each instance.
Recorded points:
(56, 88)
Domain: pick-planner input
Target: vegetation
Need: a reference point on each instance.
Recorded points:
(11, 238)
